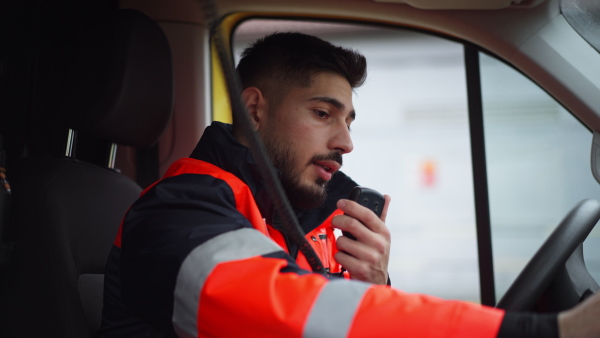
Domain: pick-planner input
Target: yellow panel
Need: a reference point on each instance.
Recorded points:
(221, 107)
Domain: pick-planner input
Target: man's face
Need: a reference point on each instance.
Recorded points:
(307, 134)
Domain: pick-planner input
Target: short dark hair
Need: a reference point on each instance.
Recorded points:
(280, 61)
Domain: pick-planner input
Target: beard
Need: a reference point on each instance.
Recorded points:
(300, 195)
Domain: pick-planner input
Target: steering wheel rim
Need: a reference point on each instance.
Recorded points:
(545, 263)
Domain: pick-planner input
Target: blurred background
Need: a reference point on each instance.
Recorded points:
(412, 142)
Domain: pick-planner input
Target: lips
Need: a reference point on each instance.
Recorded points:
(326, 169)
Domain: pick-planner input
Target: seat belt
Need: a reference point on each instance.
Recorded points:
(290, 223)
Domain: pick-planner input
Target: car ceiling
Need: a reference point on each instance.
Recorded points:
(504, 32)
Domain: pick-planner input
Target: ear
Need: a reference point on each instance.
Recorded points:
(256, 105)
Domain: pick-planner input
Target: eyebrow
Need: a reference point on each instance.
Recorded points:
(335, 103)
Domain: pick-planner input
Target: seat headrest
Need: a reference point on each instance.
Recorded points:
(120, 85)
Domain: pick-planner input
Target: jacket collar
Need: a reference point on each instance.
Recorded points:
(218, 146)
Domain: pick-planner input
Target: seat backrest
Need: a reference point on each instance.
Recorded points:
(66, 212)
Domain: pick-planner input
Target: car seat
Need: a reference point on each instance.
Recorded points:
(66, 211)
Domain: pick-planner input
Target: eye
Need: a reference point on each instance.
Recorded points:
(349, 123)
(321, 114)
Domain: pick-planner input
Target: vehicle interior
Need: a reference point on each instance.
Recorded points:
(480, 118)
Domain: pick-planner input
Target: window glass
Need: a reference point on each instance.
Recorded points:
(411, 141)
(538, 161)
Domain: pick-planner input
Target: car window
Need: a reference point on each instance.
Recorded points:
(411, 141)
(538, 161)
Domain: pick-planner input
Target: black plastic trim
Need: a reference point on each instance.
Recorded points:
(482, 209)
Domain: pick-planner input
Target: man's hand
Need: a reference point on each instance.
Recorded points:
(366, 258)
(581, 321)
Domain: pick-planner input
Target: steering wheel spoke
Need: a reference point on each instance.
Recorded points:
(544, 266)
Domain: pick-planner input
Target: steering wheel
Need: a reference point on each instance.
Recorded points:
(551, 256)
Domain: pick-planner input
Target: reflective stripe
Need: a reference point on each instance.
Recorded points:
(197, 266)
(334, 310)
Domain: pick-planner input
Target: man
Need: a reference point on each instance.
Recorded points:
(202, 253)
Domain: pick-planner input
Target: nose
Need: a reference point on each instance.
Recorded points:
(341, 139)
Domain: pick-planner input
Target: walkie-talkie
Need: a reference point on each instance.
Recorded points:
(369, 198)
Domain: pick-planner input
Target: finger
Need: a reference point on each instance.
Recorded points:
(386, 205)
(360, 270)
(366, 253)
(349, 246)
(346, 260)
(359, 212)
(350, 224)
(369, 230)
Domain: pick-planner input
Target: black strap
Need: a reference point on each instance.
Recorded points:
(273, 186)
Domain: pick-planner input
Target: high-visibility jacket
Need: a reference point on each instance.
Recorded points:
(197, 256)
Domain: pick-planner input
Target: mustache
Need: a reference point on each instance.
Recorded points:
(333, 156)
